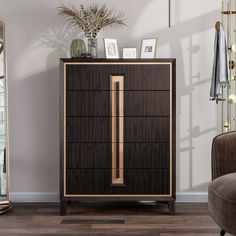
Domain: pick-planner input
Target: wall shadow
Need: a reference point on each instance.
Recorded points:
(36, 102)
(187, 86)
(58, 39)
(186, 83)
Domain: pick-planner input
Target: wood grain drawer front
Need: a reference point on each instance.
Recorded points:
(147, 155)
(147, 129)
(88, 129)
(98, 181)
(87, 77)
(88, 103)
(97, 77)
(136, 129)
(147, 103)
(136, 103)
(147, 77)
(136, 155)
(88, 155)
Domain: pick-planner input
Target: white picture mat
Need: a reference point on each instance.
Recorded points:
(111, 48)
(148, 49)
(129, 53)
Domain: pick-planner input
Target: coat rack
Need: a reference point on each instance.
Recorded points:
(228, 97)
(169, 13)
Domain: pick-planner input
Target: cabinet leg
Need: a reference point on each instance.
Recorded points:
(222, 232)
(63, 207)
(171, 206)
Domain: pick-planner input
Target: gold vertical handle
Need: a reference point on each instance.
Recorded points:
(117, 103)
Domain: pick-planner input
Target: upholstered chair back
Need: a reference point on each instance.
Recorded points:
(223, 154)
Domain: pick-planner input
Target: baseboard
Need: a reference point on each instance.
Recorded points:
(33, 197)
(54, 197)
(192, 197)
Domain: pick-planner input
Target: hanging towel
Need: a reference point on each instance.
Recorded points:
(220, 73)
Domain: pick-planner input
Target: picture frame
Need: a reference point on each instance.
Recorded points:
(129, 53)
(148, 48)
(111, 48)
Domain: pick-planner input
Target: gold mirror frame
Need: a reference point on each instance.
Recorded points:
(5, 206)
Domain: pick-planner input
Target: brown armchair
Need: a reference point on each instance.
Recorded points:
(223, 154)
(222, 190)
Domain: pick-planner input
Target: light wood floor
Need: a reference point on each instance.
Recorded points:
(110, 219)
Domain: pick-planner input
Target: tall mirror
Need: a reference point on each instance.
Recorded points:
(5, 205)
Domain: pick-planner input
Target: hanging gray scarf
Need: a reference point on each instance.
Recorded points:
(220, 73)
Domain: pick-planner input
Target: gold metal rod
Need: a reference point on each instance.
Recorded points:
(221, 99)
(234, 69)
(229, 51)
(169, 13)
(228, 12)
(222, 104)
(222, 111)
(222, 9)
(230, 27)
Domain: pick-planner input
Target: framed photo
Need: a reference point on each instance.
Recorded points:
(148, 48)
(129, 53)
(111, 48)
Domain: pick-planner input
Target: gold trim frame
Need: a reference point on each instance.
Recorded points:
(117, 79)
(171, 139)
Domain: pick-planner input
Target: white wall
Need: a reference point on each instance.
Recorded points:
(37, 39)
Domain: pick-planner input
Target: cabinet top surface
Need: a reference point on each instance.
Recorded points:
(78, 60)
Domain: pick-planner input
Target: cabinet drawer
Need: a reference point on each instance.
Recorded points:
(98, 181)
(136, 155)
(87, 77)
(88, 155)
(97, 77)
(147, 129)
(88, 103)
(136, 129)
(147, 155)
(147, 77)
(147, 103)
(136, 103)
(87, 129)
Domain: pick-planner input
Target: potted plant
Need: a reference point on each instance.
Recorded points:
(91, 20)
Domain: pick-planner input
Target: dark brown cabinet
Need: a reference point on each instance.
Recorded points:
(117, 130)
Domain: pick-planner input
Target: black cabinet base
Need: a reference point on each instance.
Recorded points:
(171, 206)
(64, 204)
(222, 232)
(63, 207)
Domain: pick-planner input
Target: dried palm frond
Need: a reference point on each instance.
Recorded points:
(92, 19)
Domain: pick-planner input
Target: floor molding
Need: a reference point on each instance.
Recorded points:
(192, 197)
(54, 197)
(33, 197)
